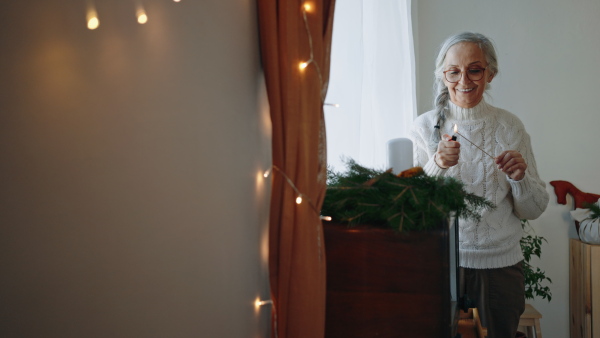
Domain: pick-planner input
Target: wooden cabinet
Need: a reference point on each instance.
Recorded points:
(381, 283)
(584, 270)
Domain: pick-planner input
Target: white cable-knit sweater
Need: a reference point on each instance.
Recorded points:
(494, 241)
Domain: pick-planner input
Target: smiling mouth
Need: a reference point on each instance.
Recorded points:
(468, 90)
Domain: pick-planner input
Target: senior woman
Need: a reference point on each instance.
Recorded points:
(489, 250)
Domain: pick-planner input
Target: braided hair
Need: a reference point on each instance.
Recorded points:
(442, 95)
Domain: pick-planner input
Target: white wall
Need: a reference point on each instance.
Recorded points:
(131, 200)
(548, 54)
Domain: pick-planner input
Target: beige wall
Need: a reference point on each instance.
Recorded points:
(131, 200)
(548, 54)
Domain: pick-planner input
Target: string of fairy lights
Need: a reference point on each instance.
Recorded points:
(93, 20)
(306, 8)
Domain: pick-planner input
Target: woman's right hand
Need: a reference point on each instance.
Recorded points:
(447, 153)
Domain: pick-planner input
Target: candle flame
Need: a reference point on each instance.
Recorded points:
(455, 128)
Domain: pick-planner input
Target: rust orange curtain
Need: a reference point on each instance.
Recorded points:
(291, 33)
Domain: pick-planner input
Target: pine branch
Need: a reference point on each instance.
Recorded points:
(380, 198)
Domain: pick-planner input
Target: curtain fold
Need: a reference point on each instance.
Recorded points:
(296, 247)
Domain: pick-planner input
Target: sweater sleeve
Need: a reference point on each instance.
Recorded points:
(530, 196)
(423, 156)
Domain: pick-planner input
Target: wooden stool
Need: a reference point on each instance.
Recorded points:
(530, 319)
(481, 330)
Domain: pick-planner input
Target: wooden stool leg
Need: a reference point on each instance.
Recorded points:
(538, 329)
(530, 319)
(481, 331)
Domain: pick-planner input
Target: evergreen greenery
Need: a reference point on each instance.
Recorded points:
(531, 245)
(380, 198)
(594, 208)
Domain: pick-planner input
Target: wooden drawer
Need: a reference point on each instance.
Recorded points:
(386, 284)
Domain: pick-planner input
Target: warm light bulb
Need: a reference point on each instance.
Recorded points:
(176, 0)
(326, 218)
(307, 7)
(299, 200)
(142, 18)
(258, 303)
(93, 23)
(267, 173)
(303, 65)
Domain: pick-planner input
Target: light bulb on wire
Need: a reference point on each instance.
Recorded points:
(303, 65)
(142, 18)
(92, 17)
(93, 23)
(267, 173)
(258, 303)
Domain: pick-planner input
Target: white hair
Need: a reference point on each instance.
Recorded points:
(442, 96)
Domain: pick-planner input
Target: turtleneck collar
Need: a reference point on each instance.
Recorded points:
(479, 111)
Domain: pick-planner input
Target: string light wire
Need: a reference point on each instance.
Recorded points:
(307, 7)
(299, 195)
(310, 45)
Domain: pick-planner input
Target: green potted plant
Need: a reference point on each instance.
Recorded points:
(535, 278)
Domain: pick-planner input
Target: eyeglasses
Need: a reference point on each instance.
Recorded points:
(473, 74)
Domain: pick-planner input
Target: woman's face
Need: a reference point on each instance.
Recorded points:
(461, 58)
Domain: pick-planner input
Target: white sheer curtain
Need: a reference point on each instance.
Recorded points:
(372, 79)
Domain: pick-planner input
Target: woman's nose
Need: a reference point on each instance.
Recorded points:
(464, 78)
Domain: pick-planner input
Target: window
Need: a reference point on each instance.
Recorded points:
(372, 79)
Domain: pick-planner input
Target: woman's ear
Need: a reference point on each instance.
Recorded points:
(490, 78)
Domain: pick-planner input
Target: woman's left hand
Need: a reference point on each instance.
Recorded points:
(512, 163)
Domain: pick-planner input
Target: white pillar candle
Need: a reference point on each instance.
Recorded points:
(400, 154)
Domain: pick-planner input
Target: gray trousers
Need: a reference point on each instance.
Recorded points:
(499, 295)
